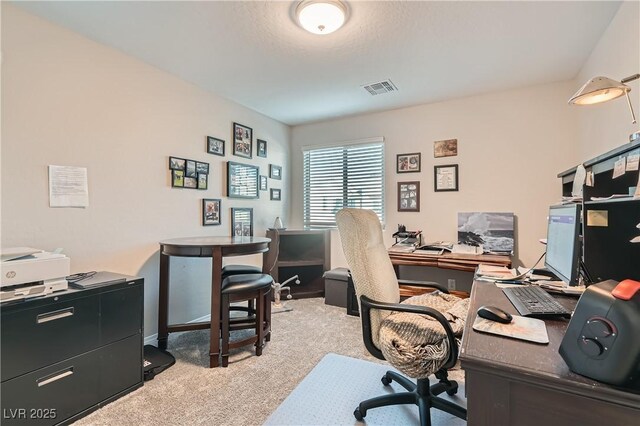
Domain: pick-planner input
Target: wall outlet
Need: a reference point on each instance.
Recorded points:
(451, 284)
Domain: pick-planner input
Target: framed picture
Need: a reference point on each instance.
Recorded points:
(445, 178)
(215, 146)
(176, 163)
(408, 163)
(191, 169)
(275, 194)
(496, 235)
(202, 168)
(242, 180)
(177, 178)
(190, 182)
(211, 212)
(202, 180)
(241, 222)
(263, 183)
(409, 196)
(262, 148)
(275, 172)
(242, 140)
(446, 148)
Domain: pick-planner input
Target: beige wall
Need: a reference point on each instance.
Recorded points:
(617, 55)
(511, 146)
(67, 100)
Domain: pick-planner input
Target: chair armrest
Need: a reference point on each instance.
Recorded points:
(432, 284)
(367, 304)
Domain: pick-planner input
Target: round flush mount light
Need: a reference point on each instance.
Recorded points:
(321, 16)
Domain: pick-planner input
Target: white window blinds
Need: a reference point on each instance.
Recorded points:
(342, 176)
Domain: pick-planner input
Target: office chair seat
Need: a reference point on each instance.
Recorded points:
(417, 345)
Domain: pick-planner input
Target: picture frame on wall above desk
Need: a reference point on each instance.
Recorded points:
(445, 178)
(409, 196)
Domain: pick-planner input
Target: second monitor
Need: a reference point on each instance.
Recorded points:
(563, 242)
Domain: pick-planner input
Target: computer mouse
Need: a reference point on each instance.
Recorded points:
(493, 313)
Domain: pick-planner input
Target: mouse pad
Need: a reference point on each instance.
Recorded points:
(523, 328)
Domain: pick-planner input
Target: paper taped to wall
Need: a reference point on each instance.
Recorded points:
(68, 186)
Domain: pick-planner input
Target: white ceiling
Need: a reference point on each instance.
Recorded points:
(254, 54)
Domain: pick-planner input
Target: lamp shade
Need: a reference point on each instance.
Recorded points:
(321, 17)
(599, 89)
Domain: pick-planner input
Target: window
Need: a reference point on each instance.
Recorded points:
(342, 176)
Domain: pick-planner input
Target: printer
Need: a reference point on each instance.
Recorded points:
(29, 272)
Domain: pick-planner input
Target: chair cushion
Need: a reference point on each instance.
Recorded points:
(228, 270)
(246, 282)
(417, 344)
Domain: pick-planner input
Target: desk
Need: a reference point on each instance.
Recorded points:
(513, 382)
(457, 261)
(211, 247)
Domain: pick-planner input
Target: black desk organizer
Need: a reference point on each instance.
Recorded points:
(71, 352)
(607, 249)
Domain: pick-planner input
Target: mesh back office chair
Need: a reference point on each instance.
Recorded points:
(417, 345)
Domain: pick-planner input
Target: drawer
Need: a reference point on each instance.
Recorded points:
(121, 313)
(55, 393)
(37, 337)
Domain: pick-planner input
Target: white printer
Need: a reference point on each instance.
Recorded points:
(29, 272)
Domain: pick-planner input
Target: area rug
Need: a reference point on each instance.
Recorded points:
(329, 394)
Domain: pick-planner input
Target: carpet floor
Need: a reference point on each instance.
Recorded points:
(251, 388)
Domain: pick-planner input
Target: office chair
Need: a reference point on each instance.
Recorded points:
(417, 345)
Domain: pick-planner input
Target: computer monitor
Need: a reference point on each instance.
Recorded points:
(563, 242)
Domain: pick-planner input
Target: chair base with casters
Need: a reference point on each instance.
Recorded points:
(241, 288)
(422, 394)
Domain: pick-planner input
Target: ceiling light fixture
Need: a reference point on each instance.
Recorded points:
(321, 16)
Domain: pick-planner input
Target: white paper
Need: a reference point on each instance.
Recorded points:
(578, 181)
(632, 162)
(68, 186)
(619, 166)
(636, 239)
(589, 181)
(446, 178)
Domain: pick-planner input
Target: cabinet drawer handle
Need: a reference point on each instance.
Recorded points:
(54, 377)
(52, 316)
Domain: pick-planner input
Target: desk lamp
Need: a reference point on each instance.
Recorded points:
(603, 89)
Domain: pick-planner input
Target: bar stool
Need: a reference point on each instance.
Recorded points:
(241, 288)
(229, 270)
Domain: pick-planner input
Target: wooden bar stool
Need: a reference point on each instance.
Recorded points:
(242, 288)
(229, 270)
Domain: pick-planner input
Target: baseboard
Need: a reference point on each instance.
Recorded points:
(153, 339)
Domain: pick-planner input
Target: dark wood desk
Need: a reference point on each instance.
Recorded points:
(210, 247)
(513, 382)
(456, 261)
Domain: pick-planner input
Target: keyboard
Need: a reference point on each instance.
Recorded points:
(533, 301)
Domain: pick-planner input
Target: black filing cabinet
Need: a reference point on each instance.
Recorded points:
(69, 353)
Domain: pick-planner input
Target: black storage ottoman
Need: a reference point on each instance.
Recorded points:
(335, 287)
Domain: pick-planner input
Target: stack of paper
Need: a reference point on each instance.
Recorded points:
(493, 272)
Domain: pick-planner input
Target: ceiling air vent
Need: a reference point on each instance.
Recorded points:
(380, 87)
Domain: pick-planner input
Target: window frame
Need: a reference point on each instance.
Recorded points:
(345, 147)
